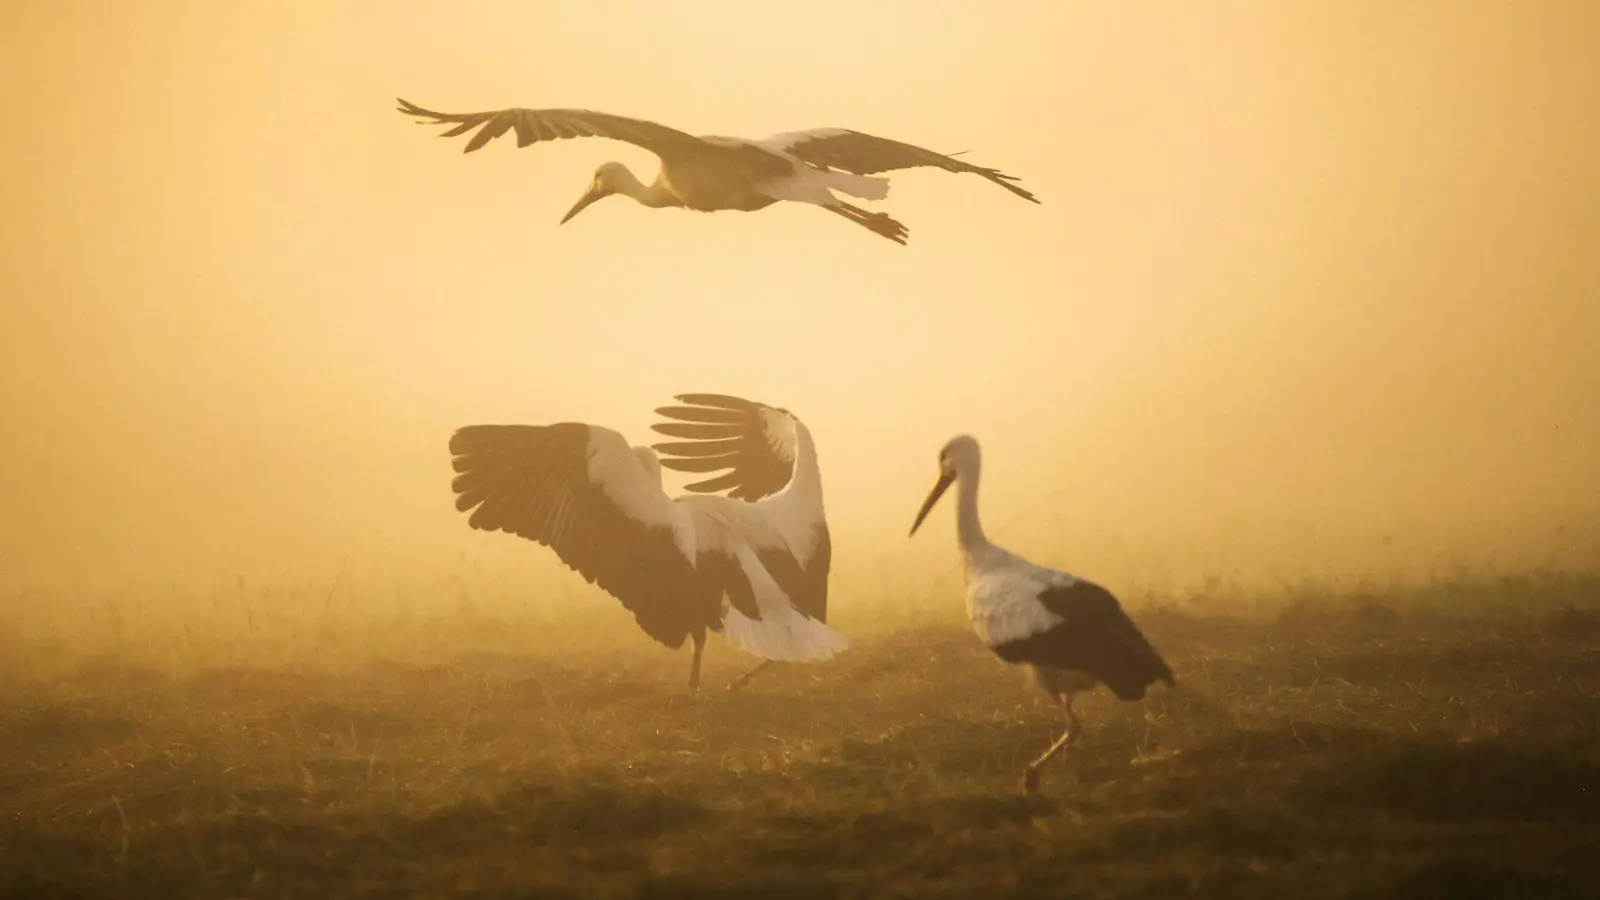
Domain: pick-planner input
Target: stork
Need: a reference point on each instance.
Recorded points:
(1071, 633)
(752, 565)
(710, 173)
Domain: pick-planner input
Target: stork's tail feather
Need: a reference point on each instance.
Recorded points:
(788, 638)
(864, 187)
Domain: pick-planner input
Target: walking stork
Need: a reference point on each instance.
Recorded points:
(1071, 633)
(752, 564)
(709, 173)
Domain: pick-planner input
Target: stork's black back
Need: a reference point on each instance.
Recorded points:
(1095, 636)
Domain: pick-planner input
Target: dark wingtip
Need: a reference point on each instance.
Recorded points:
(716, 401)
(1006, 181)
(464, 433)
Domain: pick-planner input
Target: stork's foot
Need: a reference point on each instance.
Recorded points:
(1030, 780)
(876, 222)
(881, 224)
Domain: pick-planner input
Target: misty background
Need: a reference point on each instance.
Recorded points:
(1312, 291)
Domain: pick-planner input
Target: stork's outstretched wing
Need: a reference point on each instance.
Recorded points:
(804, 578)
(533, 125)
(750, 444)
(581, 491)
(865, 154)
(731, 433)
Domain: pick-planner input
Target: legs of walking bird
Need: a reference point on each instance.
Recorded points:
(1030, 778)
(739, 682)
(699, 638)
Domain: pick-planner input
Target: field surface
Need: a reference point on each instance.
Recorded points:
(1361, 749)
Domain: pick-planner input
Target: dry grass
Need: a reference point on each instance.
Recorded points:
(1442, 744)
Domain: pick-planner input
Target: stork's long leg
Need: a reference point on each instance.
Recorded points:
(740, 681)
(1030, 778)
(876, 222)
(699, 638)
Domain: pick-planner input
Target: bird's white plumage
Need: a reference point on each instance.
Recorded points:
(782, 633)
(785, 521)
(524, 477)
(739, 529)
(1001, 589)
(794, 515)
(815, 186)
(623, 475)
(651, 463)
(1002, 600)
(710, 172)
(806, 183)
(1072, 634)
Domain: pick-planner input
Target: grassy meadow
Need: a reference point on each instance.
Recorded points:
(1438, 740)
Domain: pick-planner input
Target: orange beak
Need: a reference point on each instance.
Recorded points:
(594, 193)
(943, 484)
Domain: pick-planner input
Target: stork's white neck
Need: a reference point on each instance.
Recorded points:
(975, 547)
(807, 479)
(656, 194)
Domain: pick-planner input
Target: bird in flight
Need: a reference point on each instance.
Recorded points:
(710, 173)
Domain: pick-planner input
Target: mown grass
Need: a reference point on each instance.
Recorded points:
(1359, 746)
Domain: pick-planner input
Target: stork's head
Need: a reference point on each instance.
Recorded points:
(610, 178)
(958, 458)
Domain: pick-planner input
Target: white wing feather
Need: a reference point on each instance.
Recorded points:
(621, 474)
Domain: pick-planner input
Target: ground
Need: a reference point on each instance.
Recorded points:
(1354, 748)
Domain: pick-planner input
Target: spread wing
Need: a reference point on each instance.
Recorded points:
(534, 125)
(583, 492)
(805, 583)
(752, 445)
(728, 433)
(865, 154)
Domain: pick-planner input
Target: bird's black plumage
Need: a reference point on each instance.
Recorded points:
(1096, 637)
(533, 481)
(729, 435)
(711, 172)
(534, 125)
(703, 162)
(806, 585)
(726, 433)
(867, 154)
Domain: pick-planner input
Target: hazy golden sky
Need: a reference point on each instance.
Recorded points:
(1330, 265)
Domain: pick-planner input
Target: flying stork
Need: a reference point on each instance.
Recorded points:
(752, 564)
(1071, 633)
(709, 173)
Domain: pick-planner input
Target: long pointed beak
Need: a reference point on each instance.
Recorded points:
(589, 197)
(943, 484)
